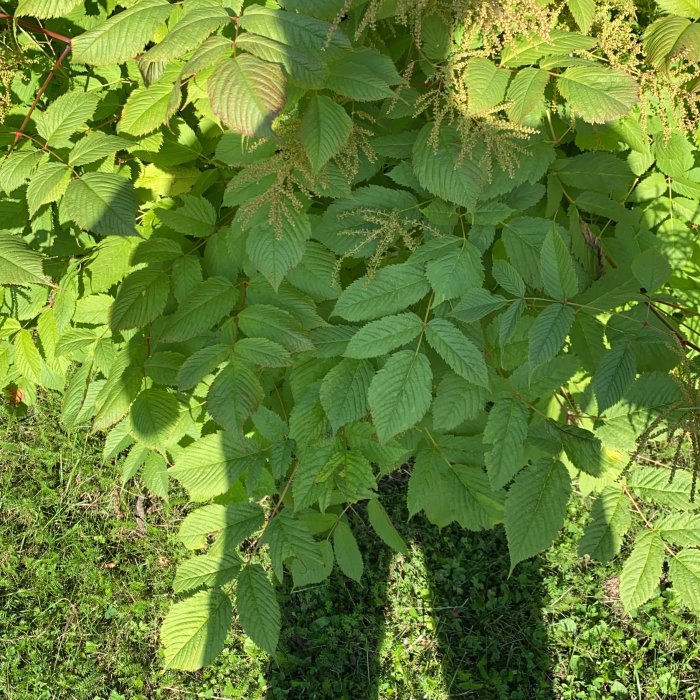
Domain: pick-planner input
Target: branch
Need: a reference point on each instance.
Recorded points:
(35, 28)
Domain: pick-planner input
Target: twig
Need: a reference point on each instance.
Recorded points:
(35, 28)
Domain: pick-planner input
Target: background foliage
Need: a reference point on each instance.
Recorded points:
(276, 251)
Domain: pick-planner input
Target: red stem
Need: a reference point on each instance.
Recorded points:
(35, 28)
(20, 132)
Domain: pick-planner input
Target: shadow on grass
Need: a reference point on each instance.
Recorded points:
(445, 622)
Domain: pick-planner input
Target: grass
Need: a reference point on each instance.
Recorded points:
(84, 584)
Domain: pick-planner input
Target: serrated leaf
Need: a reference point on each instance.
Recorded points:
(682, 529)
(548, 333)
(457, 400)
(344, 392)
(684, 8)
(247, 94)
(642, 570)
(122, 36)
(274, 324)
(381, 522)
(684, 571)
(212, 464)
(16, 168)
(153, 417)
(324, 130)
(102, 203)
(27, 358)
(651, 269)
(189, 32)
(47, 185)
(584, 449)
(258, 608)
(196, 216)
(583, 12)
(194, 630)
(44, 9)
(455, 273)
(486, 84)
(658, 486)
(289, 540)
(364, 75)
(463, 357)
(148, 108)
(670, 36)
(557, 265)
(615, 373)
(210, 570)
(535, 509)
(508, 277)
(263, 352)
(155, 475)
(19, 264)
(234, 396)
(391, 289)
(233, 523)
(64, 116)
(476, 304)
(141, 298)
(505, 432)
(209, 302)
(347, 553)
(383, 335)
(610, 521)
(442, 168)
(400, 393)
(276, 253)
(95, 146)
(598, 94)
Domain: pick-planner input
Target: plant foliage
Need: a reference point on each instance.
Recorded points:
(276, 250)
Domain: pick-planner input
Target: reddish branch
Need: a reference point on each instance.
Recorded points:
(66, 50)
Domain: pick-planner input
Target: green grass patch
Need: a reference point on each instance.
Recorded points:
(86, 569)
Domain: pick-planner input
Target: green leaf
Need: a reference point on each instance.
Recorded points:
(389, 290)
(27, 358)
(122, 36)
(463, 357)
(44, 9)
(658, 486)
(383, 335)
(247, 94)
(344, 392)
(381, 522)
(196, 216)
(584, 449)
(233, 523)
(209, 302)
(258, 608)
(486, 85)
(289, 541)
(583, 12)
(324, 130)
(641, 572)
(17, 167)
(610, 521)
(598, 94)
(684, 571)
(456, 273)
(274, 324)
(400, 393)
(19, 264)
(442, 168)
(194, 630)
(189, 32)
(548, 333)
(682, 529)
(684, 8)
(95, 146)
(651, 269)
(526, 94)
(457, 400)
(615, 373)
(148, 108)
(276, 253)
(234, 396)
(535, 509)
(210, 570)
(505, 432)
(155, 475)
(47, 185)
(669, 37)
(212, 464)
(347, 553)
(508, 277)
(153, 418)
(364, 75)
(558, 272)
(141, 298)
(476, 304)
(102, 203)
(64, 116)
